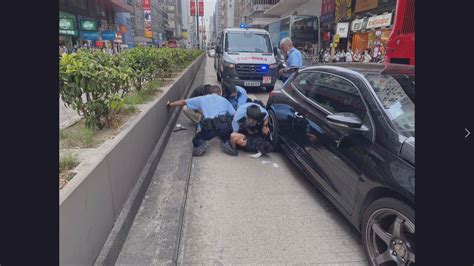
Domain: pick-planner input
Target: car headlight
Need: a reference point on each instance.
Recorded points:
(273, 66)
(228, 64)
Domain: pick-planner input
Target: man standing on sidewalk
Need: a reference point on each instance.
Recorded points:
(216, 120)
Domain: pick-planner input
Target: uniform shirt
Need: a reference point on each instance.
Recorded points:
(240, 99)
(295, 59)
(242, 112)
(210, 105)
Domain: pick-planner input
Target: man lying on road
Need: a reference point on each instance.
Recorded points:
(216, 120)
(250, 126)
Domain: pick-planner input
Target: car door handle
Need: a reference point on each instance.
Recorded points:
(298, 114)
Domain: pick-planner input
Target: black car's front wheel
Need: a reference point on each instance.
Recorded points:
(274, 131)
(388, 232)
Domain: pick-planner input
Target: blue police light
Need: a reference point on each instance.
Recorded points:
(244, 26)
(264, 67)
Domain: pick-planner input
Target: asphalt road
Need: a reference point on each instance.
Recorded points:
(241, 210)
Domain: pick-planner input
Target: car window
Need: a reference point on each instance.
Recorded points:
(397, 95)
(333, 93)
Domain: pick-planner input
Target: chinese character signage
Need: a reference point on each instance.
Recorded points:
(193, 7)
(201, 8)
(327, 10)
(147, 18)
(343, 10)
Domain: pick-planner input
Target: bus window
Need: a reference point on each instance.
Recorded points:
(304, 32)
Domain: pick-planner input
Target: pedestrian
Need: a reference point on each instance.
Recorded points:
(216, 121)
(326, 57)
(110, 51)
(349, 55)
(236, 95)
(250, 129)
(366, 57)
(357, 56)
(294, 58)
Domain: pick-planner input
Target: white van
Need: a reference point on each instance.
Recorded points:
(245, 57)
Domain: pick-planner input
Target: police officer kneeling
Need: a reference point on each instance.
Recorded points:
(216, 120)
(250, 128)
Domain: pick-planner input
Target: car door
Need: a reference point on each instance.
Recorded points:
(335, 156)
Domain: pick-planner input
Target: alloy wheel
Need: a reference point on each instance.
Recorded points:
(390, 238)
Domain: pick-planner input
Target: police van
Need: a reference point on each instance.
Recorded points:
(245, 57)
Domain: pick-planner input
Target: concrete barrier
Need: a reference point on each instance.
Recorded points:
(91, 202)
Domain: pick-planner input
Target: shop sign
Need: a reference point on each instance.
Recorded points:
(327, 10)
(147, 18)
(108, 35)
(357, 24)
(343, 10)
(90, 35)
(336, 38)
(363, 5)
(99, 44)
(379, 21)
(342, 29)
(90, 25)
(66, 23)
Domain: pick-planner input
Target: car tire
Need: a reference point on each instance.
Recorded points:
(388, 232)
(274, 131)
(269, 89)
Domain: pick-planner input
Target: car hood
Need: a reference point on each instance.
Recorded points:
(408, 150)
(250, 58)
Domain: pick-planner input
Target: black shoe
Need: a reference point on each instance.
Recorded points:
(199, 151)
(227, 148)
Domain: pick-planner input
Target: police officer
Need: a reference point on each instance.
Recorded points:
(294, 59)
(236, 95)
(194, 115)
(250, 126)
(216, 120)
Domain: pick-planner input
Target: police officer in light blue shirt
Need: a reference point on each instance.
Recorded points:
(294, 59)
(237, 96)
(216, 121)
(250, 126)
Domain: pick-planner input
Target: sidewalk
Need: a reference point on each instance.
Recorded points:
(67, 116)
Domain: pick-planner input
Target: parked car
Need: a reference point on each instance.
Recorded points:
(350, 128)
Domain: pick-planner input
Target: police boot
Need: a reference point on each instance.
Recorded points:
(227, 148)
(199, 151)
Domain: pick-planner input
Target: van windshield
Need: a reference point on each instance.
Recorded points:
(247, 42)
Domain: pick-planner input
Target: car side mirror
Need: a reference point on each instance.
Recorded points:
(349, 123)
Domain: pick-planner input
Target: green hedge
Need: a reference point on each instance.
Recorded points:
(94, 83)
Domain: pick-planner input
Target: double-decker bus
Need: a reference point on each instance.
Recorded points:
(401, 43)
(303, 31)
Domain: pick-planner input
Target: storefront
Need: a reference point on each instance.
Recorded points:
(89, 33)
(372, 33)
(68, 32)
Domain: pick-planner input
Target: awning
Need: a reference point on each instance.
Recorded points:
(284, 6)
(262, 21)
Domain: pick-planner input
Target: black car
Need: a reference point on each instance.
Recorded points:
(350, 128)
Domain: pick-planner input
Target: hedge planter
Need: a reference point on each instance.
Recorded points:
(91, 202)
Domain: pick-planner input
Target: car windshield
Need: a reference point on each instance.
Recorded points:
(397, 95)
(249, 42)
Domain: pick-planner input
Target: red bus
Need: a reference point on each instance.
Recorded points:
(401, 43)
